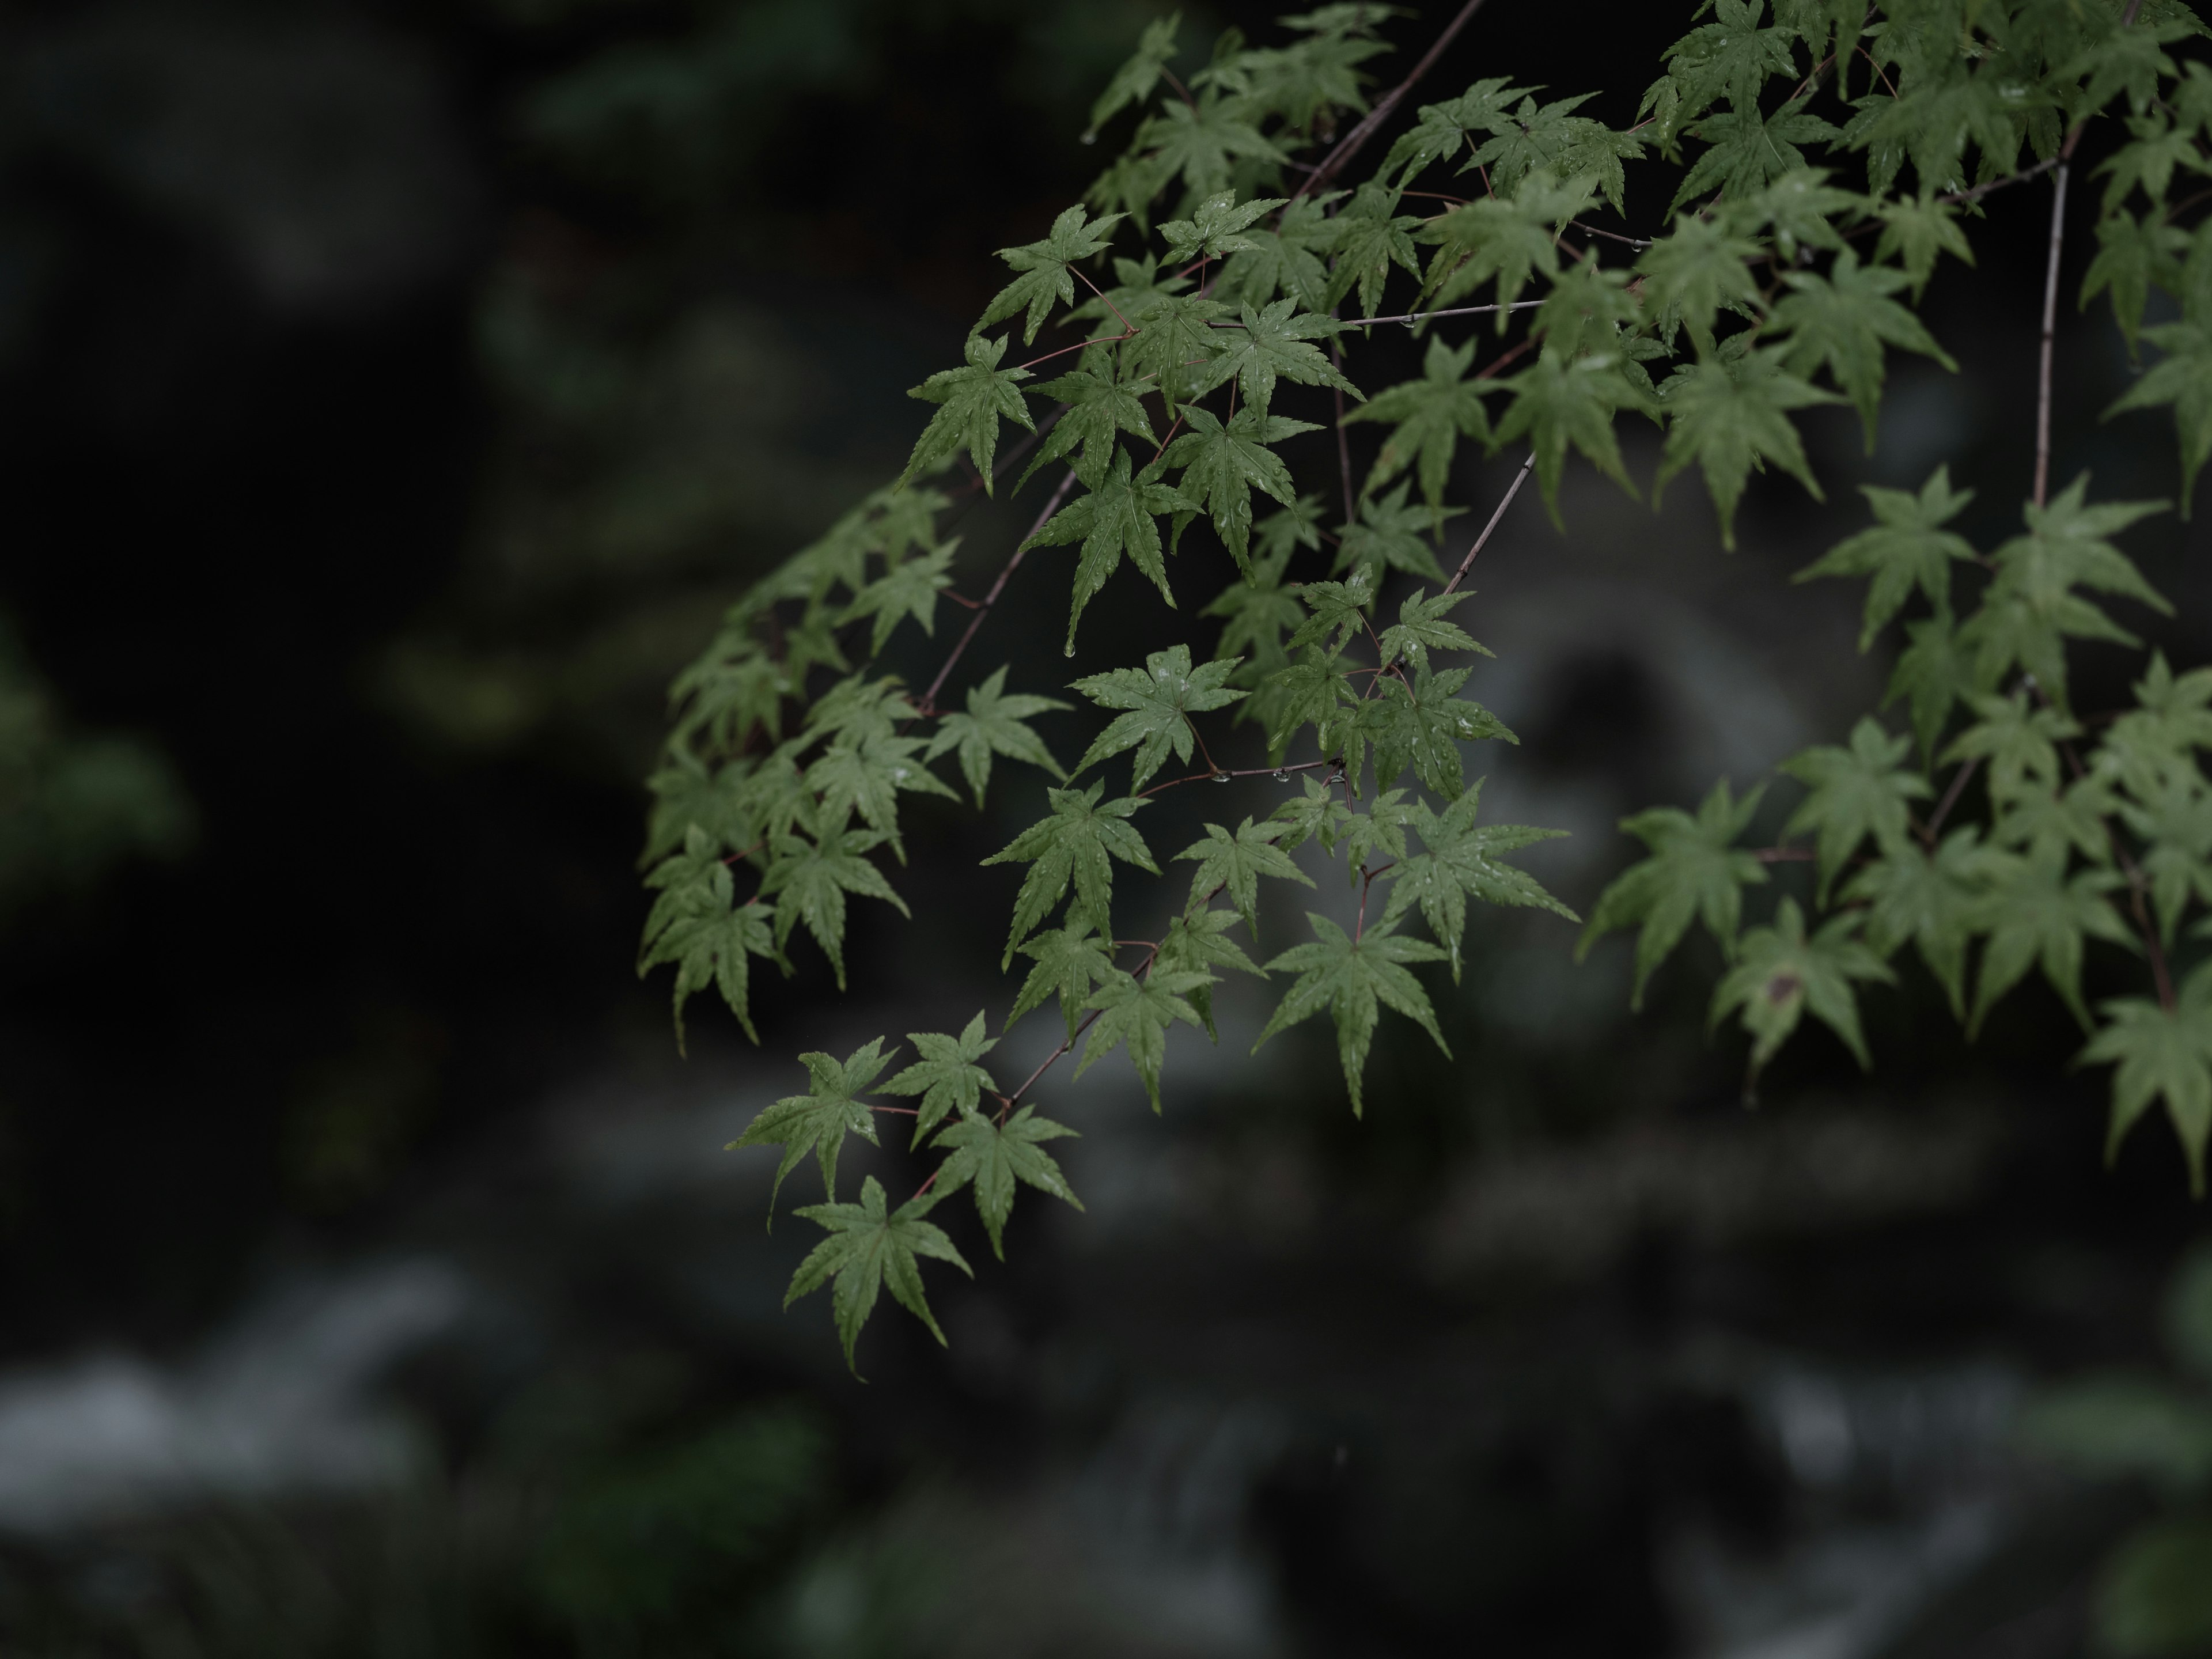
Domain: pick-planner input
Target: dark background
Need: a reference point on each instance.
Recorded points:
(392, 397)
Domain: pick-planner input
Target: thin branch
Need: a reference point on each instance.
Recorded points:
(1610, 236)
(1109, 339)
(1420, 316)
(1785, 855)
(1009, 1101)
(1350, 144)
(928, 703)
(1247, 772)
(1343, 437)
(1935, 824)
(1512, 489)
(2050, 335)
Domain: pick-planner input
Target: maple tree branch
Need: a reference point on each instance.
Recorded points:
(1247, 772)
(1343, 437)
(1456, 311)
(2050, 331)
(1350, 144)
(1009, 1101)
(1512, 489)
(1785, 855)
(928, 703)
(1958, 788)
(1110, 339)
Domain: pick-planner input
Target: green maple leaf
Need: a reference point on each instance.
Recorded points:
(1855, 793)
(1157, 701)
(1298, 81)
(1461, 861)
(1195, 944)
(1339, 611)
(1371, 236)
(2047, 823)
(861, 707)
(1307, 693)
(1445, 130)
(1175, 341)
(1933, 671)
(727, 695)
(1730, 415)
(1585, 154)
(1504, 238)
(1423, 725)
(996, 1157)
(2182, 377)
(1695, 871)
(2035, 915)
(818, 1121)
(2153, 743)
(1203, 142)
(865, 776)
(2133, 256)
(2031, 606)
(1223, 465)
(1842, 321)
(1421, 628)
(1044, 270)
(1286, 260)
(2175, 825)
(1315, 814)
(993, 725)
(869, 1246)
(693, 926)
(2019, 740)
(1694, 273)
(1136, 1013)
(1932, 900)
(1919, 230)
(971, 401)
(1138, 287)
(1098, 408)
(1271, 344)
(1259, 610)
(1432, 415)
(2160, 147)
(1211, 231)
(2159, 1053)
(1588, 306)
(1800, 205)
(1907, 548)
(1380, 828)
(1390, 533)
(809, 881)
(1731, 58)
(1118, 517)
(1133, 81)
(905, 590)
(1074, 844)
(1351, 978)
(947, 1077)
(1562, 401)
(1233, 864)
(1780, 974)
(688, 795)
(1750, 150)
(1070, 961)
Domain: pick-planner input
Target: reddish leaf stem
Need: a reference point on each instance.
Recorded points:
(1350, 144)
(1513, 490)
(928, 703)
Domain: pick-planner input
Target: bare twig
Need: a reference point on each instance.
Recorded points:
(1421, 316)
(928, 703)
(2050, 328)
(1247, 772)
(1350, 144)
(1512, 489)
(1785, 855)
(1343, 438)
(1935, 824)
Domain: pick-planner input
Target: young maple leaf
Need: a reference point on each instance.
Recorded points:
(1286, 260)
(1271, 344)
(1176, 340)
(947, 1077)
(1204, 141)
(1461, 861)
(1211, 231)
(1907, 548)
(1118, 517)
(1749, 150)
(904, 590)
(2182, 377)
(2153, 744)
(1421, 628)
(1069, 962)
(1233, 864)
(2019, 740)
(2159, 1052)
(1919, 230)
(1695, 272)
(1197, 943)
(1074, 844)
(1842, 320)
(993, 725)
(1730, 415)
(818, 1121)
(995, 1155)
(1044, 270)
(809, 881)
(1731, 58)
(1224, 465)
(693, 925)
(1855, 793)
(1390, 533)
(2175, 826)
(865, 776)
(1444, 130)
(1933, 900)
(2133, 256)
(1432, 415)
(1422, 725)
(1549, 137)
(1307, 693)
(1136, 1013)
(1133, 81)
(1351, 978)
(1933, 672)
(1506, 237)
(972, 400)
(1339, 611)
(1371, 236)
(870, 1245)
(1560, 401)
(1098, 408)
(1695, 871)
(2035, 915)
(1780, 973)
(1158, 701)
(1801, 207)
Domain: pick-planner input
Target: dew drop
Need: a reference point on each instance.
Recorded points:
(1221, 777)
(1281, 775)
